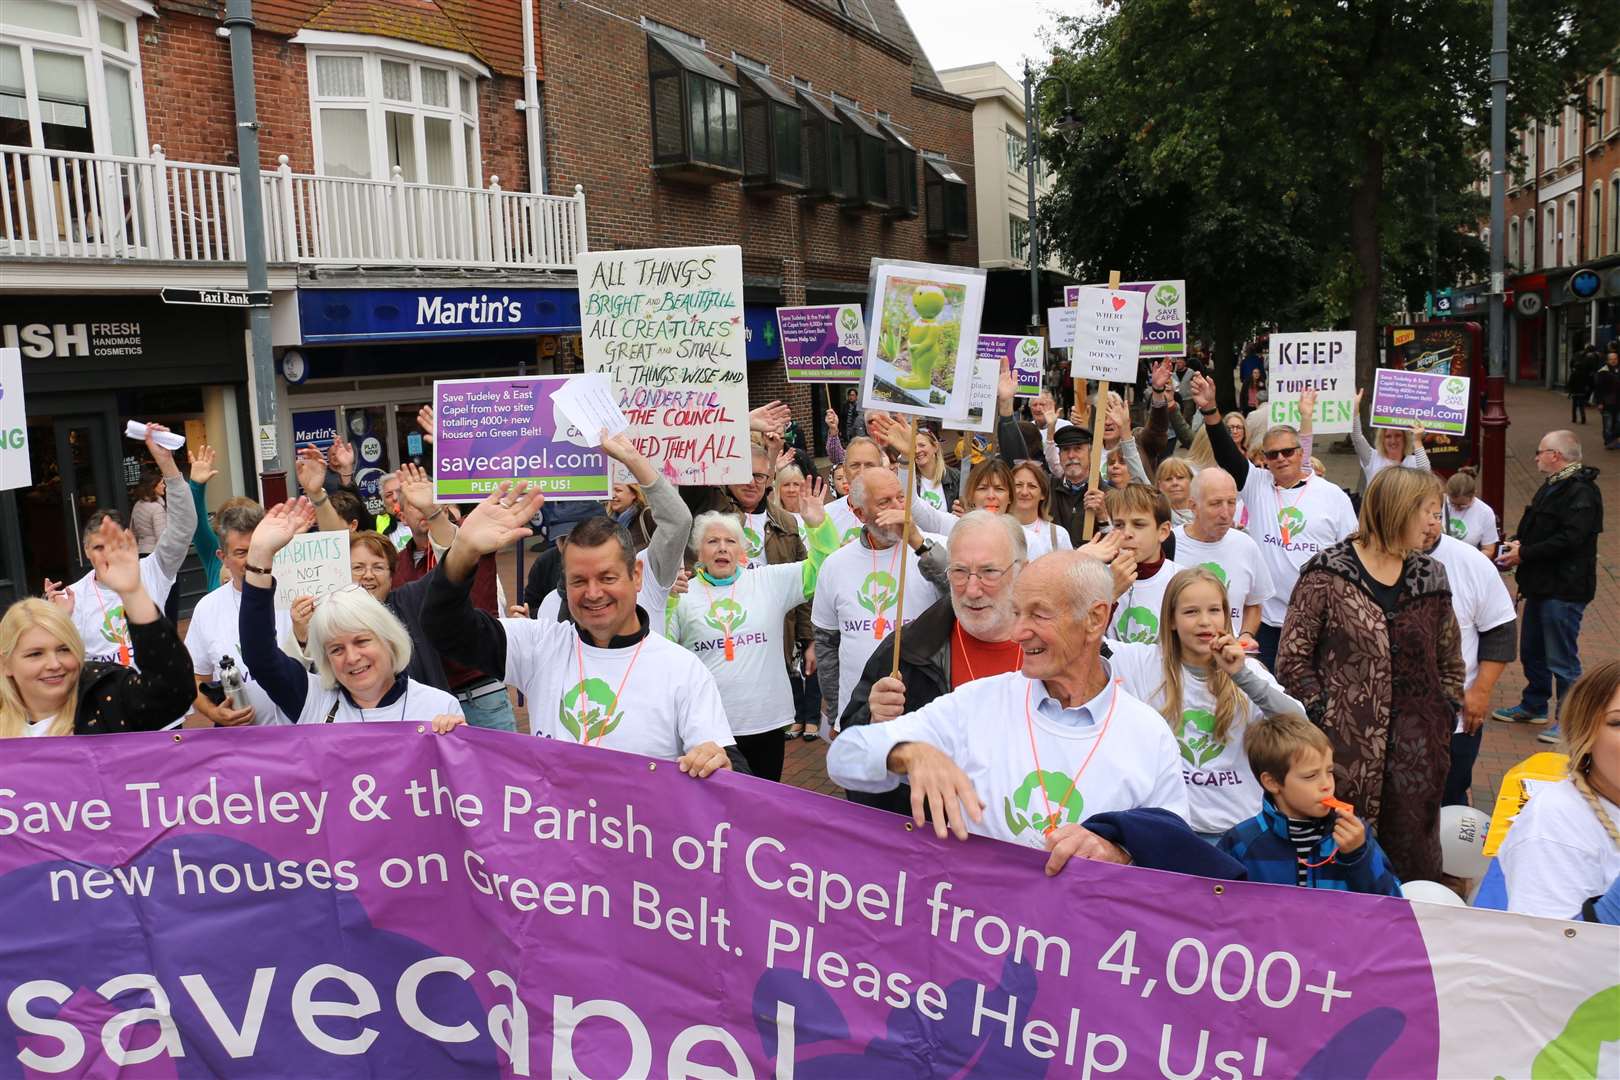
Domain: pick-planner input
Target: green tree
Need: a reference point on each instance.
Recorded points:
(1300, 162)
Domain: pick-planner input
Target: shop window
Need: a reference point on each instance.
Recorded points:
(772, 133)
(823, 149)
(900, 169)
(70, 78)
(865, 165)
(374, 113)
(945, 195)
(697, 126)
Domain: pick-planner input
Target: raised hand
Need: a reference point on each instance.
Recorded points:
(784, 459)
(1104, 548)
(302, 610)
(683, 581)
(1006, 389)
(310, 468)
(1307, 405)
(1119, 414)
(56, 594)
(424, 420)
(1159, 375)
(832, 421)
(1203, 394)
(202, 464)
(118, 561)
(341, 457)
(812, 500)
(887, 699)
(771, 417)
(886, 429)
(163, 457)
(416, 487)
(281, 523)
(1228, 654)
(501, 519)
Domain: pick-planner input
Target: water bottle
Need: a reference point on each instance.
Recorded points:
(230, 681)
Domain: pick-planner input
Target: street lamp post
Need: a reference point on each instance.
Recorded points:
(1068, 124)
(1493, 420)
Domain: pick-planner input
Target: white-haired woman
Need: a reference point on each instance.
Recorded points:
(47, 687)
(360, 649)
(732, 617)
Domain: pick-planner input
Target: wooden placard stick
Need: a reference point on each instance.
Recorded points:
(1097, 414)
(908, 493)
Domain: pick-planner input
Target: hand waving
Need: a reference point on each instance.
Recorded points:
(417, 487)
(812, 500)
(202, 464)
(310, 468)
(281, 523)
(118, 561)
(500, 519)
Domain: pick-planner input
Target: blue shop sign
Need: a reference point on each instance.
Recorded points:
(365, 315)
(314, 427)
(764, 342)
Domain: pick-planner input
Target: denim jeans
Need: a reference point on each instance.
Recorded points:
(1464, 752)
(491, 711)
(1611, 426)
(1549, 648)
(1269, 639)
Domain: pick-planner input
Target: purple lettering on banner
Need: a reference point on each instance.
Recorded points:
(375, 900)
(1404, 398)
(1027, 355)
(1164, 318)
(822, 343)
(489, 430)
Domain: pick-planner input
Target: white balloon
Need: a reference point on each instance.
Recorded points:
(1431, 892)
(1462, 841)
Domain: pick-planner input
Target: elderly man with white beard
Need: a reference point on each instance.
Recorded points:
(1050, 752)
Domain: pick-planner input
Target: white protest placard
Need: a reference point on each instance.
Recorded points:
(667, 325)
(1325, 362)
(15, 471)
(587, 401)
(922, 339)
(1061, 321)
(1107, 335)
(312, 564)
(981, 413)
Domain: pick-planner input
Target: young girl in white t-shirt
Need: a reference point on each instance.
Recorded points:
(1208, 690)
(1561, 858)
(1468, 518)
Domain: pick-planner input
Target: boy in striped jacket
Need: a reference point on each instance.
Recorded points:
(1302, 835)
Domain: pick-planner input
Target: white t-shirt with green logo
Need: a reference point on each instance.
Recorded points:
(1137, 613)
(1235, 559)
(754, 538)
(754, 684)
(982, 727)
(1221, 789)
(1475, 526)
(1292, 527)
(668, 704)
(856, 586)
(1478, 597)
(849, 526)
(98, 612)
(931, 492)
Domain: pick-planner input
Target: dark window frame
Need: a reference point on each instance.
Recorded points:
(772, 134)
(900, 169)
(945, 196)
(698, 85)
(823, 149)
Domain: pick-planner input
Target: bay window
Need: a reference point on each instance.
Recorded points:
(696, 119)
(70, 77)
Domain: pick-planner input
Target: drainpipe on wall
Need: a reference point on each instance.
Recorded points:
(531, 104)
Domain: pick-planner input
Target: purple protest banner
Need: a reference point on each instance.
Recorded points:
(373, 900)
(1437, 401)
(822, 343)
(1027, 355)
(489, 430)
(1164, 319)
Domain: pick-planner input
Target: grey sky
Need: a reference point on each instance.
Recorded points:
(956, 33)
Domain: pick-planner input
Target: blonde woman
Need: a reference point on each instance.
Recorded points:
(1395, 447)
(1208, 691)
(1562, 856)
(1032, 509)
(48, 688)
(1174, 479)
(937, 483)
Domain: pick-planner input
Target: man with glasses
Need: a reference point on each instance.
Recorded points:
(1555, 555)
(1292, 515)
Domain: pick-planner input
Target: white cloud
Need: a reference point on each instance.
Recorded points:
(956, 33)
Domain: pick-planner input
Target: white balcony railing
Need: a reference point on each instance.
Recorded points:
(62, 204)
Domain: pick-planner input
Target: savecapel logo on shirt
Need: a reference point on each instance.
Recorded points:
(1061, 793)
(934, 499)
(1216, 569)
(1291, 523)
(850, 534)
(726, 615)
(878, 592)
(113, 626)
(588, 711)
(1138, 624)
(753, 543)
(1456, 528)
(1197, 738)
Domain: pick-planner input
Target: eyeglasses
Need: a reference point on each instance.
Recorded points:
(988, 575)
(1544, 450)
(1280, 452)
(760, 478)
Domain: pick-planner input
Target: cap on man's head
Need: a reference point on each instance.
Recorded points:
(1073, 435)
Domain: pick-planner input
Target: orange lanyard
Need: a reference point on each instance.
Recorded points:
(123, 641)
(1029, 723)
(880, 626)
(585, 729)
(961, 643)
(731, 648)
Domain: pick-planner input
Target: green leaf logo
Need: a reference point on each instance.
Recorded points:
(850, 534)
(1291, 522)
(849, 319)
(934, 499)
(588, 711)
(1197, 738)
(878, 592)
(1030, 346)
(1138, 624)
(1023, 810)
(752, 542)
(1166, 295)
(113, 626)
(1216, 569)
(1454, 385)
(726, 615)
(1456, 527)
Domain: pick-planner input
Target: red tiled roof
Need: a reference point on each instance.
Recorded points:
(491, 30)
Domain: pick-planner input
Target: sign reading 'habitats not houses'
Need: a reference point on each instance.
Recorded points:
(1324, 362)
(489, 430)
(667, 325)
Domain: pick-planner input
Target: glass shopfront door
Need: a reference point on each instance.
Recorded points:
(75, 474)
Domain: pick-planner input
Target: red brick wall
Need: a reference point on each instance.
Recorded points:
(598, 132)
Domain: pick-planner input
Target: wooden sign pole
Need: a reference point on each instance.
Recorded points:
(909, 493)
(1098, 411)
